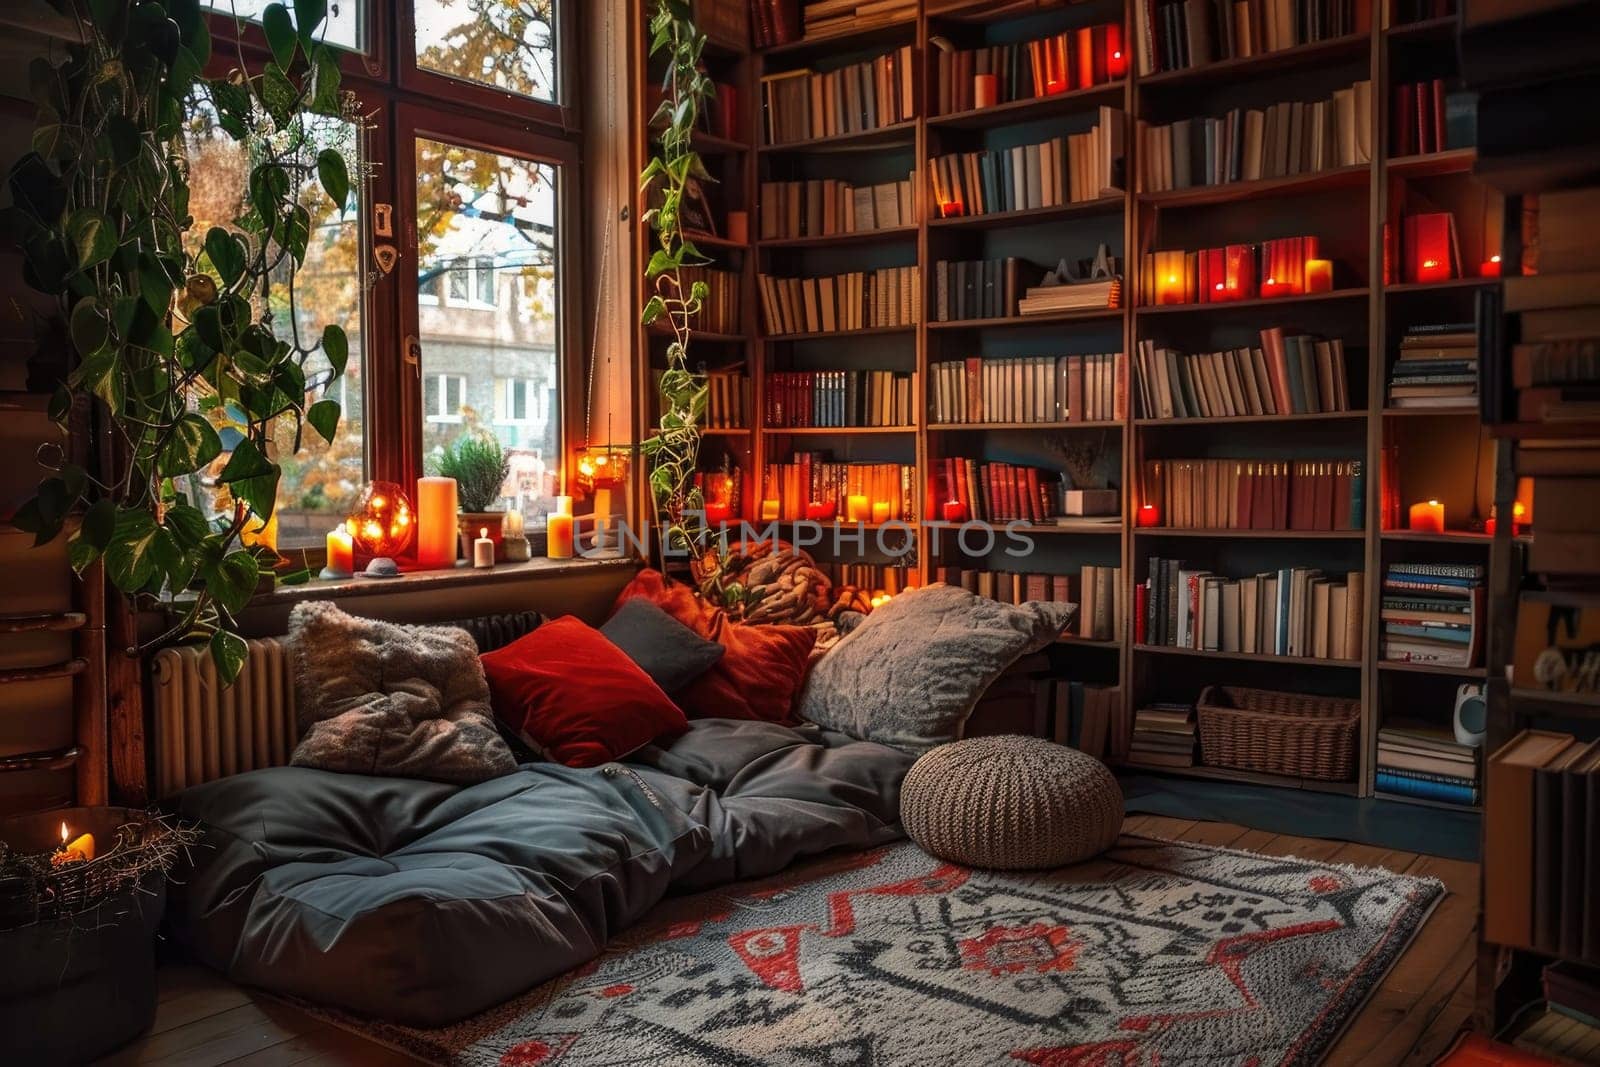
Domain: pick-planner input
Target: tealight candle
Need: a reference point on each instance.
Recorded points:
(79, 850)
(1273, 287)
(1490, 268)
(880, 511)
(341, 561)
(822, 510)
(1149, 515)
(1319, 275)
(1169, 289)
(857, 508)
(1427, 517)
(956, 511)
(717, 514)
(483, 549)
(769, 510)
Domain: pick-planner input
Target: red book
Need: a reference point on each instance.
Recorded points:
(1404, 121)
(1322, 506)
(1035, 500)
(1437, 96)
(1242, 504)
(1277, 367)
(1341, 496)
(1084, 75)
(1423, 96)
(1074, 388)
(1141, 604)
(1280, 510)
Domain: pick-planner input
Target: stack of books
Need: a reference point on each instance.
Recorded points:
(1431, 613)
(1288, 374)
(1190, 33)
(1249, 494)
(890, 296)
(1296, 611)
(1555, 369)
(1026, 70)
(830, 398)
(1418, 760)
(1437, 368)
(1223, 275)
(728, 398)
(1063, 170)
(823, 18)
(1163, 735)
(1029, 389)
(1429, 118)
(1286, 139)
(719, 313)
(825, 207)
(815, 478)
(802, 105)
(1054, 297)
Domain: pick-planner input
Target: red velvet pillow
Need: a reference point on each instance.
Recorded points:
(576, 695)
(760, 675)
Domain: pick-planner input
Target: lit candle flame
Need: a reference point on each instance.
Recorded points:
(64, 833)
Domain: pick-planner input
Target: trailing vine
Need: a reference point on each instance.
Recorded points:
(675, 448)
(173, 336)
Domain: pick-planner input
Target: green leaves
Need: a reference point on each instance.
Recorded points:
(324, 418)
(192, 444)
(92, 237)
(228, 653)
(227, 254)
(252, 477)
(278, 95)
(336, 346)
(129, 559)
(279, 28)
(88, 327)
(334, 178)
(233, 581)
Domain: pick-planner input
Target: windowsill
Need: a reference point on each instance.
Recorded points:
(461, 575)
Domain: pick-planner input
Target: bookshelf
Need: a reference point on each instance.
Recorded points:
(1345, 206)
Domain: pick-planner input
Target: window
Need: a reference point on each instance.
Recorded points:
(445, 397)
(471, 282)
(510, 46)
(519, 401)
(346, 26)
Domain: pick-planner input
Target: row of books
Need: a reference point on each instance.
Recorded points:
(772, 22)
(723, 486)
(1069, 169)
(1430, 614)
(1287, 374)
(1096, 590)
(828, 398)
(1231, 272)
(825, 17)
(1091, 719)
(997, 289)
(1042, 389)
(1295, 611)
(1418, 760)
(1564, 544)
(889, 296)
(827, 206)
(1284, 139)
(1250, 494)
(719, 312)
(1427, 117)
(1437, 366)
(1163, 735)
(727, 398)
(1026, 70)
(815, 477)
(802, 105)
(1191, 33)
(1542, 835)
(997, 492)
(880, 577)
(1553, 363)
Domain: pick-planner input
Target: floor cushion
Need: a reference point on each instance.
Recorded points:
(1010, 803)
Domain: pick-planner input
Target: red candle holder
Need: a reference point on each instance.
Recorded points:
(1489, 268)
(956, 511)
(822, 511)
(717, 514)
(1272, 287)
(1148, 515)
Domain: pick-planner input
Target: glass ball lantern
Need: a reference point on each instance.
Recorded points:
(383, 522)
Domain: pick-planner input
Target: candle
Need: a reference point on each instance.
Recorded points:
(822, 511)
(717, 514)
(558, 530)
(1273, 287)
(1433, 270)
(483, 550)
(1490, 268)
(514, 524)
(341, 561)
(857, 508)
(1149, 515)
(769, 510)
(956, 511)
(1116, 55)
(1319, 275)
(985, 90)
(1169, 289)
(949, 209)
(1427, 517)
(79, 850)
(880, 511)
(437, 532)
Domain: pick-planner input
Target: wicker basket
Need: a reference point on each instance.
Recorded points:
(1292, 734)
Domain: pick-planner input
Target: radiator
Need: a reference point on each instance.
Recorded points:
(204, 732)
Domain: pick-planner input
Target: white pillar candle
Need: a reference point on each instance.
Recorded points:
(483, 550)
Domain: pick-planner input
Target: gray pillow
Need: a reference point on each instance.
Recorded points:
(912, 671)
(664, 648)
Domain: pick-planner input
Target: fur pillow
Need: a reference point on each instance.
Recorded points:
(397, 701)
(911, 672)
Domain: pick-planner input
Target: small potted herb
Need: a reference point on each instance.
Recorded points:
(480, 467)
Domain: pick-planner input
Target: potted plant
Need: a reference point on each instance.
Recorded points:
(480, 466)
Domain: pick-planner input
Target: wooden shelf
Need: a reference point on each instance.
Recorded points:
(1250, 657)
(1087, 642)
(1225, 774)
(712, 145)
(1427, 802)
(834, 431)
(1449, 537)
(900, 135)
(1354, 177)
(838, 335)
(1432, 164)
(1037, 107)
(1443, 26)
(1350, 46)
(978, 427)
(711, 240)
(1252, 304)
(1009, 322)
(724, 431)
(846, 40)
(703, 335)
(1237, 420)
(837, 240)
(1444, 286)
(1258, 535)
(1560, 705)
(1000, 220)
(1394, 666)
(1086, 528)
(1463, 411)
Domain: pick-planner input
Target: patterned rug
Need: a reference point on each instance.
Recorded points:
(1159, 953)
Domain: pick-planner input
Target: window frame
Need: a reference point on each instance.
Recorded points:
(441, 416)
(373, 64)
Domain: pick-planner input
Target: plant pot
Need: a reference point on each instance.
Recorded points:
(474, 521)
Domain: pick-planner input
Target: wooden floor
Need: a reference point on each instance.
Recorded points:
(1413, 1016)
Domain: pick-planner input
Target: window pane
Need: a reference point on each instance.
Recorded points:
(495, 216)
(509, 44)
(345, 28)
(321, 481)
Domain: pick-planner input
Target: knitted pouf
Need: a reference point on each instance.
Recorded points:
(1010, 803)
